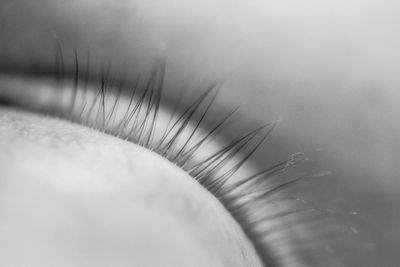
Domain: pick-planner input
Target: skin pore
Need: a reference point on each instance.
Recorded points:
(327, 69)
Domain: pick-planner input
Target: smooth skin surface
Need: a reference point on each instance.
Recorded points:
(71, 196)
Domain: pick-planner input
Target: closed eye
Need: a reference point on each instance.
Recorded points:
(183, 133)
(192, 133)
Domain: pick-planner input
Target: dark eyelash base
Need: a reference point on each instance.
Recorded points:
(283, 229)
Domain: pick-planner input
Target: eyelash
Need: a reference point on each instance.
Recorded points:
(250, 200)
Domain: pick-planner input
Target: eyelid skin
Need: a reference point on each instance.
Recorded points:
(104, 202)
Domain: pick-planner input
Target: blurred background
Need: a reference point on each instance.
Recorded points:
(327, 70)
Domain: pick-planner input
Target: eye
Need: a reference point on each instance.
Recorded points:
(136, 113)
(133, 111)
(139, 116)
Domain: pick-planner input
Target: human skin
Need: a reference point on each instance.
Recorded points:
(71, 196)
(326, 69)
